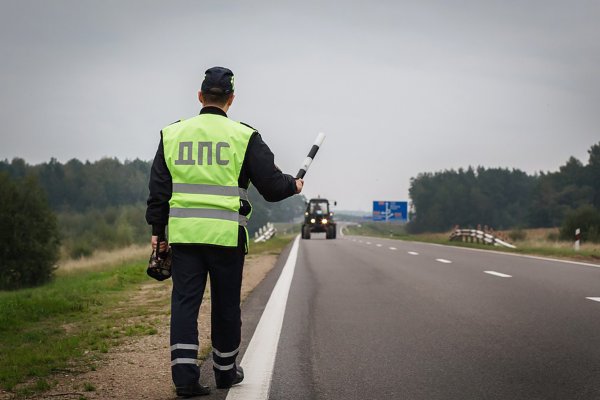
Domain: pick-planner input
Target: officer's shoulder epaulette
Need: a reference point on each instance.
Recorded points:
(251, 127)
(172, 123)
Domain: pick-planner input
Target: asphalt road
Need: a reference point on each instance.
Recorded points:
(370, 318)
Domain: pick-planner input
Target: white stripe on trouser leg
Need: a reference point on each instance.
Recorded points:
(183, 346)
(184, 361)
(223, 367)
(225, 355)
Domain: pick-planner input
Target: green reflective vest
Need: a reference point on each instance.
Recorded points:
(204, 155)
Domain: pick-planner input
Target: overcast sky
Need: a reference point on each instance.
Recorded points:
(398, 87)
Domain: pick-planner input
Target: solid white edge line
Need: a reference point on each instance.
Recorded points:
(259, 358)
(443, 260)
(500, 274)
(594, 298)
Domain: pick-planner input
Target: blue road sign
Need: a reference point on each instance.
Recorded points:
(394, 211)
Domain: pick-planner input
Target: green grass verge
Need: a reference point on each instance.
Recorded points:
(395, 231)
(273, 246)
(66, 325)
(60, 326)
(377, 229)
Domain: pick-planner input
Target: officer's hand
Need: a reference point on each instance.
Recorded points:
(299, 185)
(163, 245)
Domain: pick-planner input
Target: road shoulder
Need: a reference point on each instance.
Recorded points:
(140, 367)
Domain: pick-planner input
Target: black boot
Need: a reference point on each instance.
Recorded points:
(222, 383)
(193, 390)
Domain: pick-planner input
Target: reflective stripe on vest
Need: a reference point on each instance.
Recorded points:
(199, 188)
(204, 155)
(208, 213)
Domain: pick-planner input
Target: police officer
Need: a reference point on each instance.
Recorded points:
(198, 187)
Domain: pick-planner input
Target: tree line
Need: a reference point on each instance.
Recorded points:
(85, 206)
(81, 186)
(508, 198)
(108, 183)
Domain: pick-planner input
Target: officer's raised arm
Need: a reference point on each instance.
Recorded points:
(270, 182)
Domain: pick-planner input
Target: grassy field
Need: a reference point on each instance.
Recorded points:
(90, 306)
(103, 258)
(64, 325)
(528, 241)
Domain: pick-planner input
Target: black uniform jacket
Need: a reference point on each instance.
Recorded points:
(258, 167)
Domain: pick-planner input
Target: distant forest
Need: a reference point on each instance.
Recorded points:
(505, 198)
(102, 204)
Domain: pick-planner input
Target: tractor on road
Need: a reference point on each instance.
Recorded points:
(318, 218)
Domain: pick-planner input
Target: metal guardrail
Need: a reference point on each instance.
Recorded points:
(265, 233)
(478, 236)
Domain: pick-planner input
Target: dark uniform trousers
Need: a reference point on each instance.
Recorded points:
(192, 264)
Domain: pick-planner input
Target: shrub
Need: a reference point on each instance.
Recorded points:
(110, 228)
(593, 235)
(552, 237)
(80, 248)
(29, 234)
(517, 235)
(586, 218)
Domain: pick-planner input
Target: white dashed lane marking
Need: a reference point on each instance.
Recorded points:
(500, 274)
(494, 273)
(594, 298)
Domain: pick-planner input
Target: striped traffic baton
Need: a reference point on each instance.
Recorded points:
(311, 155)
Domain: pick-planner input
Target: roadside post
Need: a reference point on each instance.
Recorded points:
(577, 238)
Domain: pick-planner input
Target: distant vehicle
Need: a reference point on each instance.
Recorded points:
(318, 218)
